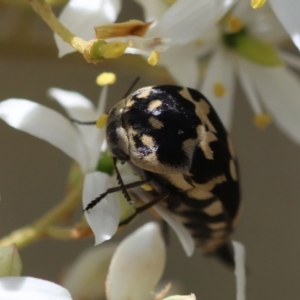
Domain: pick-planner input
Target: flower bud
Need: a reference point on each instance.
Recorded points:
(10, 261)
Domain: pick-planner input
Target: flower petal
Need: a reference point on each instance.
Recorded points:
(290, 59)
(278, 88)
(137, 265)
(240, 270)
(183, 234)
(81, 17)
(181, 62)
(82, 109)
(263, 24)
(187, 20)
(154, 9)
(77, 106)
(11, 264)
(105, 216)
(218, 85)
(28, 288)
(288, 14)
(45, 124)
(248, 86)
(142, 46)
(86, 277)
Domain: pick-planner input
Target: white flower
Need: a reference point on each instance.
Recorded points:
(81, 16)
(267, 83)
(104, 217)
(180, 24)
(287, 13)
(264, 78)
(85, 279)
(171, 30)
(10, 261)
(132, 272)
(16, 288)
(137, 265)
(186, 20)
(82, 143)
(182, 233)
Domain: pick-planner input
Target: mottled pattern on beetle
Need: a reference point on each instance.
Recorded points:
(175, 134)
(168, 123)
(201, 212)
(203, 215)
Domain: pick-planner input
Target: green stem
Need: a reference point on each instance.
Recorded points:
(33, 232)
(23, 3)
(60, 233)
(43, 9)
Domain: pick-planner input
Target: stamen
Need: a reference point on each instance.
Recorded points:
(262, 120)
(101, 121)
(147, 187)
(171, 1)
(257, 3)
(106, 78)
(153, 58)
(219, 90)
(234, 24)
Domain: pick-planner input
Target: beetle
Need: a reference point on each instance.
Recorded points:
(173, 139)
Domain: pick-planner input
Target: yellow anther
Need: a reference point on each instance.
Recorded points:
(219, 90)
(102, 121)
(257, 3)
(153, 58)
(147, 187)
(106, 78)
(262, 120)
(114, 49)
(171, 1)
(234, 24)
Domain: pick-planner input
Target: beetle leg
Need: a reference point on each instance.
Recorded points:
(144, 207)
(113, 190)
(83, 122)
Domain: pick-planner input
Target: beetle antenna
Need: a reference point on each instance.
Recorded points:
(136, 80)
(121, 183)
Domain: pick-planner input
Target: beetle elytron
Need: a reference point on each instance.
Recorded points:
(173, 139)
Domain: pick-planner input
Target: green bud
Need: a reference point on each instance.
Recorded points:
(253, 49)
(105, 164)
(10, 261)
(96, 51)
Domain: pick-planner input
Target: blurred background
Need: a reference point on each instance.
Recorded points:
(33, 173)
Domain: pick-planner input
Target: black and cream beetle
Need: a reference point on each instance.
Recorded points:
(173, 139)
